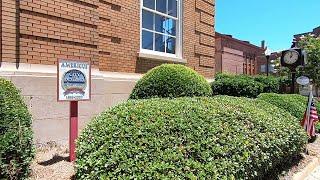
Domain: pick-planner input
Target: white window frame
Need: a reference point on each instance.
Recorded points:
(179, 22)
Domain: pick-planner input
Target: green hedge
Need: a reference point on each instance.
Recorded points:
(185, 138)
(284, 84)
(271, 84)
(224, 75)
(16, 148)
(170, 81)
(245, 85)
(241, 86)
(293, 103)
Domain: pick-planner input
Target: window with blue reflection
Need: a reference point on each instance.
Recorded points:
(147, 19)
(171, 45)
(170, 27)
(147, 40)
(161, 6)
(160, 22)
(149, 4)
(172, 8)
(160, 43)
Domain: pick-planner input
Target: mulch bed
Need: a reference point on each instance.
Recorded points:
(51, 163)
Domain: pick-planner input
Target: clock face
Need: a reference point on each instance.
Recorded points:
(291, 57)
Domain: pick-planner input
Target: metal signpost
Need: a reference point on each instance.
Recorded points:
(73, 85)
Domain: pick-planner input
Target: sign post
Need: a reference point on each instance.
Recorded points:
(74, 84)
(73, 129)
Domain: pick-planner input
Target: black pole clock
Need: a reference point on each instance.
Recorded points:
(292, 58)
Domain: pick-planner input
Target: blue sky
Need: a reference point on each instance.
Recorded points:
(275, 21)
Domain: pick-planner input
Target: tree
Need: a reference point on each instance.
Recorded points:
(280, 71)
(311, 45)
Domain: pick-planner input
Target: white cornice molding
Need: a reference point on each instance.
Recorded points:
(25, 69)
(9, 69)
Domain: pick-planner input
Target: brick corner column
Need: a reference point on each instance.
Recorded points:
(9, 31)
(199, 36)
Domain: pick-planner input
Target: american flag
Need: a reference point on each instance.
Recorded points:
(310, 117)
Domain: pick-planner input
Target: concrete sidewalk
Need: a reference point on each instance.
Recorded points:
(315, 175)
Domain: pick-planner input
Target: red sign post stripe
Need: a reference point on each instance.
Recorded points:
(73, 130)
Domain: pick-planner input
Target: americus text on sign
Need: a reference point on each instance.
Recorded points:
(74, 80)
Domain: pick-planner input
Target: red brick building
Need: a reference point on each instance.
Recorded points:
(315, 32)
(109, 33)
(237, 56)
(121, 38)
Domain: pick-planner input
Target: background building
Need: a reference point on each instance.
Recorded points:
(237, 56)
(315, 31)
(122, 39)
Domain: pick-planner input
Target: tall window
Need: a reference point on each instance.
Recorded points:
(160, 27)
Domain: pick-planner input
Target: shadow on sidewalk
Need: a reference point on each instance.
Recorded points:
(53, 160)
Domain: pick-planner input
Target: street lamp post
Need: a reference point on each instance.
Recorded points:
(268, 58)
(268, 54)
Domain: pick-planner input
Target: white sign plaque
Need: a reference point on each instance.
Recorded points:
(303, 80)
(74, 80)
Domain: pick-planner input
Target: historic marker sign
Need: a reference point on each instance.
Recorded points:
(74, 84)
(74, 80)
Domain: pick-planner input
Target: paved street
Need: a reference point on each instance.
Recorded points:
(315, 175)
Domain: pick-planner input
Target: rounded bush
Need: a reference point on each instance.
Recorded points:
(293, 103)
(16, 147)
(184, 138)
(240, 86)
(171, 81)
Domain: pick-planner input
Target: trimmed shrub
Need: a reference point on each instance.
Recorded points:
(293, 103)
(171, 81)
(270, 83)
(284, 83)
(224, 75)
(237, 86)
(16, 148)
(245, 85)
(188, 138)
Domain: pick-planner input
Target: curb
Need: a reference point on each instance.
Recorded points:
(304, 173)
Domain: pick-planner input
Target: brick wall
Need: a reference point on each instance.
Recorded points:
(119, 31)
(236, 56)
(198, 36)
(50, 30)
(233, 61)
(104, 31)
(8, 31)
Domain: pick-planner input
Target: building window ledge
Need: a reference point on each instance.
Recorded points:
(160, 57)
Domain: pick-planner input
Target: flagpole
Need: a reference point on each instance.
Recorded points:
(309, 124)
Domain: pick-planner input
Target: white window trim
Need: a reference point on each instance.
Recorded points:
(145, 53)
